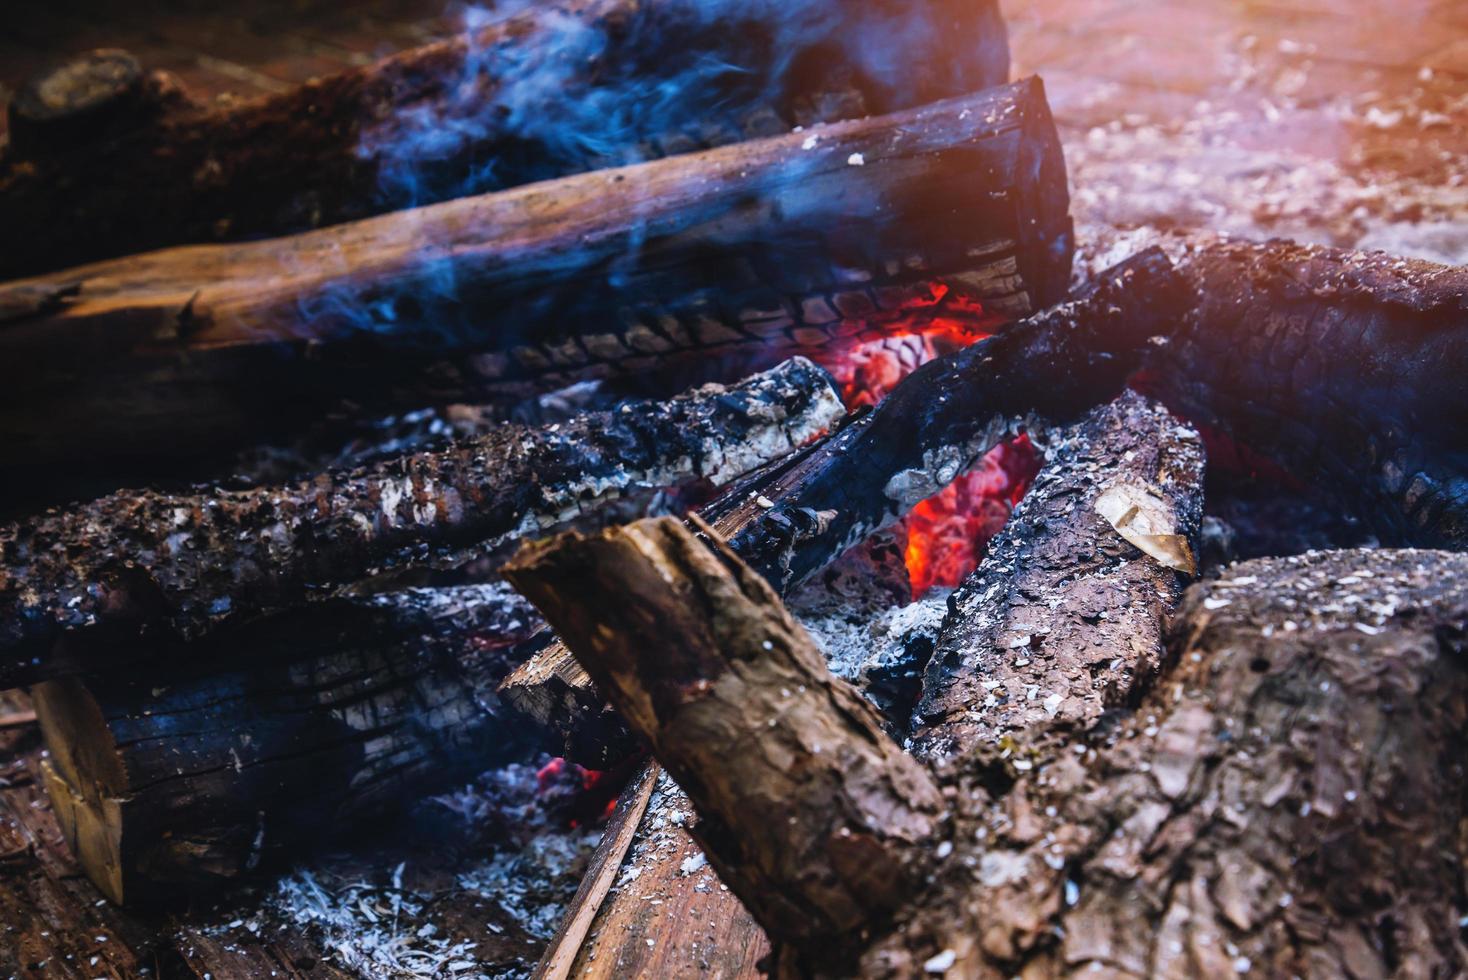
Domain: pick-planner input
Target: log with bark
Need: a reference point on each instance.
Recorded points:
(106, 159)
(180, 564)
(1286, 797)
(824, 848)
(1064, 619)
(185, 775)
(798, 516)
(1345, 368)
(763, 249)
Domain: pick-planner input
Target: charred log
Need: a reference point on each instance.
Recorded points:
(762, 249)
(106, 159)
(792, 519)
(1345, 368)
(183, 563)
(1065, 618)
(186, 776)
(735, 695)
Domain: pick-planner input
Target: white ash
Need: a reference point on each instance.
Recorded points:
(388, 920)
(857, 643)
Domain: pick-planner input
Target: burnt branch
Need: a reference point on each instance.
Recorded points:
(186, 562)
(183, 777)
(818, 821)
(762, 249)
(794, 518)
(1064, 620)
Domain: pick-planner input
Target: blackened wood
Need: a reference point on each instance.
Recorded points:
(182, 776)
(799, 515)
(78, 185)
(811, 814)
(1301, 751)
(762, 249)
(1064, 620)
(186, 562)
(1345, 368)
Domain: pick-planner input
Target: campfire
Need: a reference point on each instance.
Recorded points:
(647, 488)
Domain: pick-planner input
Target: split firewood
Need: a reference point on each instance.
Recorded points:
(1064, 620)
(1345, 368)
(183, 563)
(184, 776)
(737, 692)
(764, 249)
(795, 518)
(106, 158)
(1300, 750)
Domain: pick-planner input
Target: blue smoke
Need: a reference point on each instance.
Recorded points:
(575, 93)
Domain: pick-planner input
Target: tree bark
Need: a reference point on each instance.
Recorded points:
(183, 777)
(1065, 619)
(183, 563)
(1345, 368)
(760, 250)
(737, 693)
(791, 519)
(87, 177)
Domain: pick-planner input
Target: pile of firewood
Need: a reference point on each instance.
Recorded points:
(1096, 766)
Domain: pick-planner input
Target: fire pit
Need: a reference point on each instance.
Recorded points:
(679, 488)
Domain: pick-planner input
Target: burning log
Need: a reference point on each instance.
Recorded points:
(1345, 368)
(765, 248)
(1064, 620)
(182, 777)
(1303, 741)
(106, 159)
(792, 519)
(737, 693)
(184, 563)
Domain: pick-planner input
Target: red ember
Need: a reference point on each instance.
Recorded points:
(949, 532)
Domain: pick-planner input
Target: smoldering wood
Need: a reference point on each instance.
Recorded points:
(183, 776)
(107, 159)
(1064, 620)
(1345, 368)
(793, 518)
(180, 564)
(760, 250)
(817, 848)
(1301, 751)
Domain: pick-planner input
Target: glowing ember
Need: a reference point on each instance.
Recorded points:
(584, 795)
(947, 534)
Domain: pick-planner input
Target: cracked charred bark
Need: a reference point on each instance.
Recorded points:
(761, 250)
(105, 159)
(182, 777)
(1285, 800)
(183, 563)
(1345, 368)
(1064, 619)
(798, 516)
